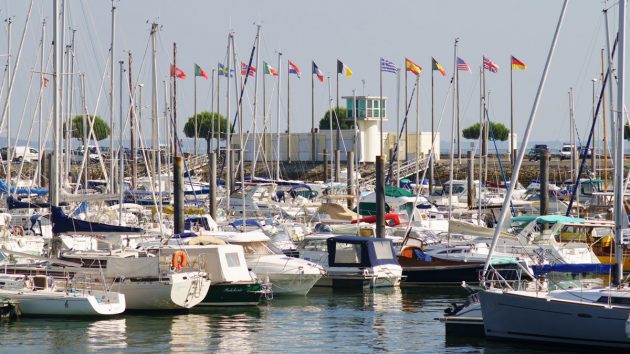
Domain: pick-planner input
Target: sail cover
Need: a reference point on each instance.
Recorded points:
(63, 224)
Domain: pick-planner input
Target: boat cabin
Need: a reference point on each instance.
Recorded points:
(354, 251)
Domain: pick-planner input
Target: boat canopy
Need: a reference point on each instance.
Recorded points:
(547, 219)
(13, 203)
(63, 224)
(248, 222)
(22, 191)
(391, 191)
(356, 251)
(572, 268)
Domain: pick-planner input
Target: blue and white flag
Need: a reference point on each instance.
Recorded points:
(223, 71)
(388, 66)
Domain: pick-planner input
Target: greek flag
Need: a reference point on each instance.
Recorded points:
(388, 66)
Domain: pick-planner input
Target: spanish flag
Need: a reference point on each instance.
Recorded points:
(413, 67)
(343, 69)
(517, 64)
(438, 67)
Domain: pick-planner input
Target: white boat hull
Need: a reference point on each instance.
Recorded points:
(61, 304)
(181, 291)
(288, 276)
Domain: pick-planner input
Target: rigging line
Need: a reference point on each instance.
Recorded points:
(19, 131)
(394, 156)
(494, 140)
(590, 135)
(431, 156)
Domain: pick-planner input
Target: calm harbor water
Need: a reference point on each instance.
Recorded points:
(395, 320)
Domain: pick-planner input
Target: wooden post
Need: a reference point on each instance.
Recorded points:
(544, 182)
(325, 165)
(350, 179)
(471, 177)
(337, 165)
(380, 196)
(178, 181)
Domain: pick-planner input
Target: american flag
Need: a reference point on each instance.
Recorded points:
(252, 70)
(462, 66)
(388, 66)
(490, 65)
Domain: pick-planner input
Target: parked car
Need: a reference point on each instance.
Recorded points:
(21, 153)
(565, 152)
(534, 153)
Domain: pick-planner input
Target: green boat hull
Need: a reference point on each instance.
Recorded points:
(229, 294)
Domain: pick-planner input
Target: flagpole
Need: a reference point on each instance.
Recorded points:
(217, 120)
(604, 129)
(417, 154)
(484, 143)
(174, 123)
(432, 156)
(330, 125)
(406, 125)
(313, 155)
(288, 112)
(211, 110)
(456, 106)
(380, 106)
(253, 154)
(398, 127)
(264, 99)
(278, 117)
(335, 120)
(511, 112)
(195, 107)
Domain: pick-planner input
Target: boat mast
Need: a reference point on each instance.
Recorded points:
(521, 153)
(254, 155)
(621, 219)
(41, 106)
(111, 100)
(8, 105)
(154, 133)
(54, 165)
(121, 151)
(278, 82)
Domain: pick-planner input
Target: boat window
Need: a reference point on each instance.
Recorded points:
(255, 248)
(315, 245)
(232, 259)
(615, 300)
(347, 253)
(572, 233)
(413, 242)
(383, 250)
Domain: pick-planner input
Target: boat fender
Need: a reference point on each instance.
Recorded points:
(18, 230)
(179, 260)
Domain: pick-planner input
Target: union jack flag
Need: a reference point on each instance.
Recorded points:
(490, 65)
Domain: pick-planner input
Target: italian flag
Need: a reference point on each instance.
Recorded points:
(269, 70)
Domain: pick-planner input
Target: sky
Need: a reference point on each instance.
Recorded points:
(356, 32)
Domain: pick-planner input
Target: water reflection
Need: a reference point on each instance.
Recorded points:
(107, 334)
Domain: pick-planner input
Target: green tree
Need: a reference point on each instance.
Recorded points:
(205, 121)
(501, 132)
(101, 129)
(324, 123)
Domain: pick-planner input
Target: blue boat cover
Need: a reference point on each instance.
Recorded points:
(572, 268)
(368, 251)
(28, 191)
(63, 224)
(248, 222)
(13, 203)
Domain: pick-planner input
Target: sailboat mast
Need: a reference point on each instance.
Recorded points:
(605, 140)
(121, 151)
(278, 82)
(41, 105)
(154, 114)
(132, 127)
(621, 220)
(54, 164)
(8, 105)
(173, 125)
(254, 155)
(111, 100)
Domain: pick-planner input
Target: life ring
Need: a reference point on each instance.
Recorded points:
(179, 260)
(18, 230)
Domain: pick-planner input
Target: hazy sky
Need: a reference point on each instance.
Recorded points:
(356, 32)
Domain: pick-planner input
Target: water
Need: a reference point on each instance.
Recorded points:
(394, 320)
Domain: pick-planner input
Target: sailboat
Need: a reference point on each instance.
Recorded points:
(594, 316)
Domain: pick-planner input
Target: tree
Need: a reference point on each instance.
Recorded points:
(501, 132)
(101, 129)
(324, 123)
(205, 121)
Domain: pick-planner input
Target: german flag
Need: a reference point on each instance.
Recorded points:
(413, 67)
(517, 64)
(438, 67)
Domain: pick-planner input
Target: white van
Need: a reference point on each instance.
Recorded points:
(25, 153)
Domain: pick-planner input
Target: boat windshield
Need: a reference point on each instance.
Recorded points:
(383, 250)
(347, 253)
(259, 248)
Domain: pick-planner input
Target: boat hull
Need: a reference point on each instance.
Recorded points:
(230, 294)
(529, 317)
(60, 304)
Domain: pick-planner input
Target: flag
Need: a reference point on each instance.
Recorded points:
(252, 70)
(413, 67)
(177, 72)
(343, 69)
(490, 65)
(293, 69)
(388, 66)
(462, 66)
(517, 64)
(269, 70)
(200, 72)
(45, 82)
(319, 73)
(438, 67)
(223, 71)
